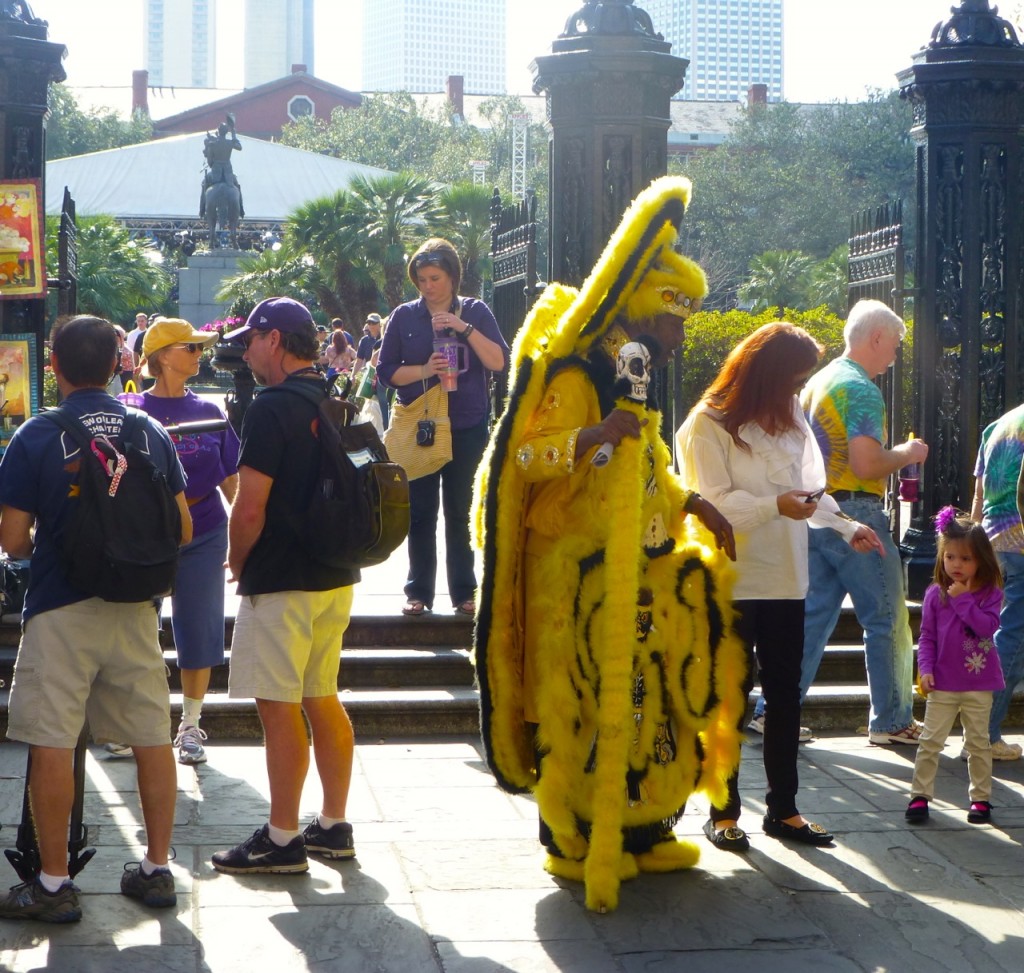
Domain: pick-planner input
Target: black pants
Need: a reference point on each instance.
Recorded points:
(773, 633)
(452, 486)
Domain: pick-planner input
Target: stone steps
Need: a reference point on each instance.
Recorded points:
(413, 677)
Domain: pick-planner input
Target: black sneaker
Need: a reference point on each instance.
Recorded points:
(334, 842)
(260, 854)
(155, 890)
(32, 901)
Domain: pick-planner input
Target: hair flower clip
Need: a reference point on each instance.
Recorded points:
(944, 518)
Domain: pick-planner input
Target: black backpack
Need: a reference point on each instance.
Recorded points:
(121, 541)
(359, 509)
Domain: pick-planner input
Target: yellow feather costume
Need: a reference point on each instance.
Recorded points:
(610, 678)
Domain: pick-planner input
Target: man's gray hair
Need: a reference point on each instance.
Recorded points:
(866, 317)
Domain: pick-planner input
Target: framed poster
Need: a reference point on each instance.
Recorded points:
(19, 398)
(22, 260)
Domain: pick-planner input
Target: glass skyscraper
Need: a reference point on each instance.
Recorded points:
(731, 44)
(415, 45)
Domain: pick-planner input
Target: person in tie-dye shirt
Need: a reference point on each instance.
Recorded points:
(995, 507)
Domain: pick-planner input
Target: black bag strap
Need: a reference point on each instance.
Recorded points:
(314, 392)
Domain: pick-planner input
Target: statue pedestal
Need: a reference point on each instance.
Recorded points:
(199, 282)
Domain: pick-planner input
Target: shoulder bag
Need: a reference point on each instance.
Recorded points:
(419, 436)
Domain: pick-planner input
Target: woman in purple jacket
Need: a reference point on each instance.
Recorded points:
(409, 364)
(956, 660)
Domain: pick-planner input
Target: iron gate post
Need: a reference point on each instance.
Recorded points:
(966, 88)
(608, 81)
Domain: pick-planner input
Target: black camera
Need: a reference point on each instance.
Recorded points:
(425, 430)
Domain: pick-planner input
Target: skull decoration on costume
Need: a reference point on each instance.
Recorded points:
(634, 365)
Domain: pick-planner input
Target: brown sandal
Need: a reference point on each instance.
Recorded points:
(468, 607)
(414, 608)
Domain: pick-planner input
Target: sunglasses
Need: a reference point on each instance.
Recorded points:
(191, 347)
(429, 260)
(248, 339)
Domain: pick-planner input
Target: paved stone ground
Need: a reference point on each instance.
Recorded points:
(448, 878)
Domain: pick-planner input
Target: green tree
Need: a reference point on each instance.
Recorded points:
(711, 335)
(466, 221)
(392, 131)
(71, 131)
(388, 131)
(392, 210)
(267, 274)
(779, 279)
(789, 178)
(828, 282)
(116, 274)
(327, 234)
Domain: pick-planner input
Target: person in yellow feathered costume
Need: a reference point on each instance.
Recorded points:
(610, 680)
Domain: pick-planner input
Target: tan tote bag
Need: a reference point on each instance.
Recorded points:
(419, 436)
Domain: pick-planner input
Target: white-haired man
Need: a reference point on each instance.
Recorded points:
(847, 413)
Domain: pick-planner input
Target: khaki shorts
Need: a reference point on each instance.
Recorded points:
(94, 660)
(287, 645)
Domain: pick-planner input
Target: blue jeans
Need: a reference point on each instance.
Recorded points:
(875, 585)
(451, 485)
(1009, 638)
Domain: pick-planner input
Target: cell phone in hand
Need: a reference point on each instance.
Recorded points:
(814, 497)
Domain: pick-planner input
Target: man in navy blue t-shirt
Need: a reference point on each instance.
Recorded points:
(81, 657)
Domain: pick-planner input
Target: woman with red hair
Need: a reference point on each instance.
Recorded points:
(748, 449)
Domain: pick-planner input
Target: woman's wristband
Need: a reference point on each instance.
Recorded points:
(468, 330)
(688, 502)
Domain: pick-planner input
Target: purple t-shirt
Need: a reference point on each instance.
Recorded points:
(409, 340)
(208, 458)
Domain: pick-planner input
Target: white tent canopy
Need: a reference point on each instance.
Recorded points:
(162, 179)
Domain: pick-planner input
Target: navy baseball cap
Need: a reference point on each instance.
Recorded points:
(275, 313)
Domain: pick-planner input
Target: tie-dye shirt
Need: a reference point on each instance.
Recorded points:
(998, 468)
(843, 403)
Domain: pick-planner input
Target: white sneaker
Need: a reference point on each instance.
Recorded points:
(757, 725)
(189, 742)
(118, 750)
(1001, 750)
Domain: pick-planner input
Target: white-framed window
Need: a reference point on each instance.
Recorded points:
(299, 107)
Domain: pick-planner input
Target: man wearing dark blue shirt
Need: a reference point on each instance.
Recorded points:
(81, 657)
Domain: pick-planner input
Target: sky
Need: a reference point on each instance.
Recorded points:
(834, 49)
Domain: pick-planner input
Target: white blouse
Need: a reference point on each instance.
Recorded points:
(771, 550)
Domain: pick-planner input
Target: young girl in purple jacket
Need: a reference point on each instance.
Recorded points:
(956, 660)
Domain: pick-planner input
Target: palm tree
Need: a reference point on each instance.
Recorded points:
(329, 234)
(395, 209)
(465, 220)
(270, 273)
(780, 279)
(116, 274)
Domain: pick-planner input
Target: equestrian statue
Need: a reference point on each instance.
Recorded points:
(220, 202)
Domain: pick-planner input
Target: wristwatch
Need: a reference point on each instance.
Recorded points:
(467, 331)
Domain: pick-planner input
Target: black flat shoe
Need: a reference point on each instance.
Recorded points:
(728, 839)
(807, 834)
